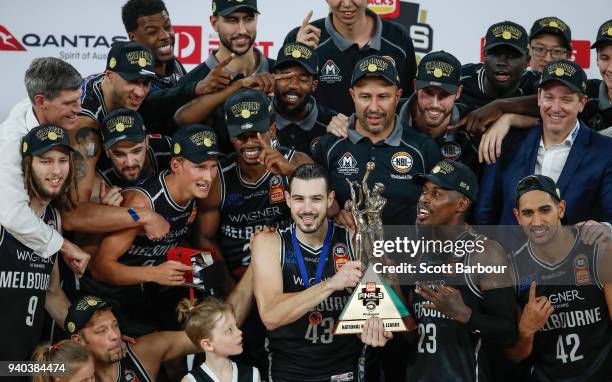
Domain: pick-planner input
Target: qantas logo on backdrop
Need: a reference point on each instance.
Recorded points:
(9, 42)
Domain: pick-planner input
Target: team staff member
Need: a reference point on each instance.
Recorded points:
(504, 73)
(300, 314)
(434, 107)
(597, 112)
(549, 37)
(377, 135)
(457, 312)
(129, 267)
(565, 290)
(30, 283)
(348, 34)
(560, 147)
(92, 323)
(300, 120)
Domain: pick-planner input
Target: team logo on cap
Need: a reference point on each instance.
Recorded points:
(214, 7)
(87, 302)
(52, 135)
(50, 132)
(120, 123)
(439, 69)
(374, 64)
(552, 22)
(203, 138)
(561, 69)
(606, 29)
(140, 57)
(120, 127)
(436, 169)
(112, 63)
(245, 109)
(297, 51)
(24, 147)
(401, 162)
(506, 32)
(177, 149)
(71, 327)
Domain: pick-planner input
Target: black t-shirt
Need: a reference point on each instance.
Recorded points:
(337, 58)
(576, 339)
(597, 112)
(303, 135)
(402, 154)
(473, 81)
(158, 158)
(24, 279)
(92, 98)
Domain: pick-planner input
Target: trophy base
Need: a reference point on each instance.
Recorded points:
(356, 326)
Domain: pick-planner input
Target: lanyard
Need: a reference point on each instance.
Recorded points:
(322, 259)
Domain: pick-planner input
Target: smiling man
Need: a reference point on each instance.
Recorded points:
(503, 73)
(131, 268)
(560, 147)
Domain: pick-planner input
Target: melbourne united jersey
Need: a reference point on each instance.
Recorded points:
(577, 337)
(158, 159)
(446, 350)
(131, 369)
(240, 373)
(24, 279)
(246, 207)
(306, 350)
(92, 99)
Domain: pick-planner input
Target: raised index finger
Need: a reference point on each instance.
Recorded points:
(226, 61)
(265, 143)
(307, 19)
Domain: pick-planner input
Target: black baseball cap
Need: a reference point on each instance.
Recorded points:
(122, 125)
(248, 110)
(43, 138)
(226, 7)
(196, 143)
(131, 60)
(552, 25)
(506, 33)
(300, 54)
(567, 72)
(604, 35)
(376, 66)
(451, 175)
(440, 69)
(536, 183)
(82, 309)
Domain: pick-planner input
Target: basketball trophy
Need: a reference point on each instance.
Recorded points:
(373, 297)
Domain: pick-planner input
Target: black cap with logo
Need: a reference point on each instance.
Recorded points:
(196, 143)
(376, 66)
(131, 60)
(298, 53)
(555, 26)
(451, 175)
(122, 125)
(536, 183)
(248, 110)
(43, 138)
(567, 72)
(604, 35)
(439, 69)
(226, 7)
(506, 33)
(82, 309)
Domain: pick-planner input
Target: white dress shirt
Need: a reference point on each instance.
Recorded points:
(551, 162)
(16, 216)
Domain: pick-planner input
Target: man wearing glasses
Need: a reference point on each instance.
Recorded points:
(549, 39)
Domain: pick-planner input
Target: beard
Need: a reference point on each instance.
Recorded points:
(227, 43)
(43, 192)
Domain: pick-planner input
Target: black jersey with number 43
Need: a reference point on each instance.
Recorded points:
(307, 350)
(446, 350)
(575, 341)
(24, 279)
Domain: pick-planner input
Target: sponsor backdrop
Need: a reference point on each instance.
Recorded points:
(81, 31)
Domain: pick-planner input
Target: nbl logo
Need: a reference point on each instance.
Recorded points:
(188, 44)
(370, 296)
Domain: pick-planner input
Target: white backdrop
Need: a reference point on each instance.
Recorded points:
(82, 31)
